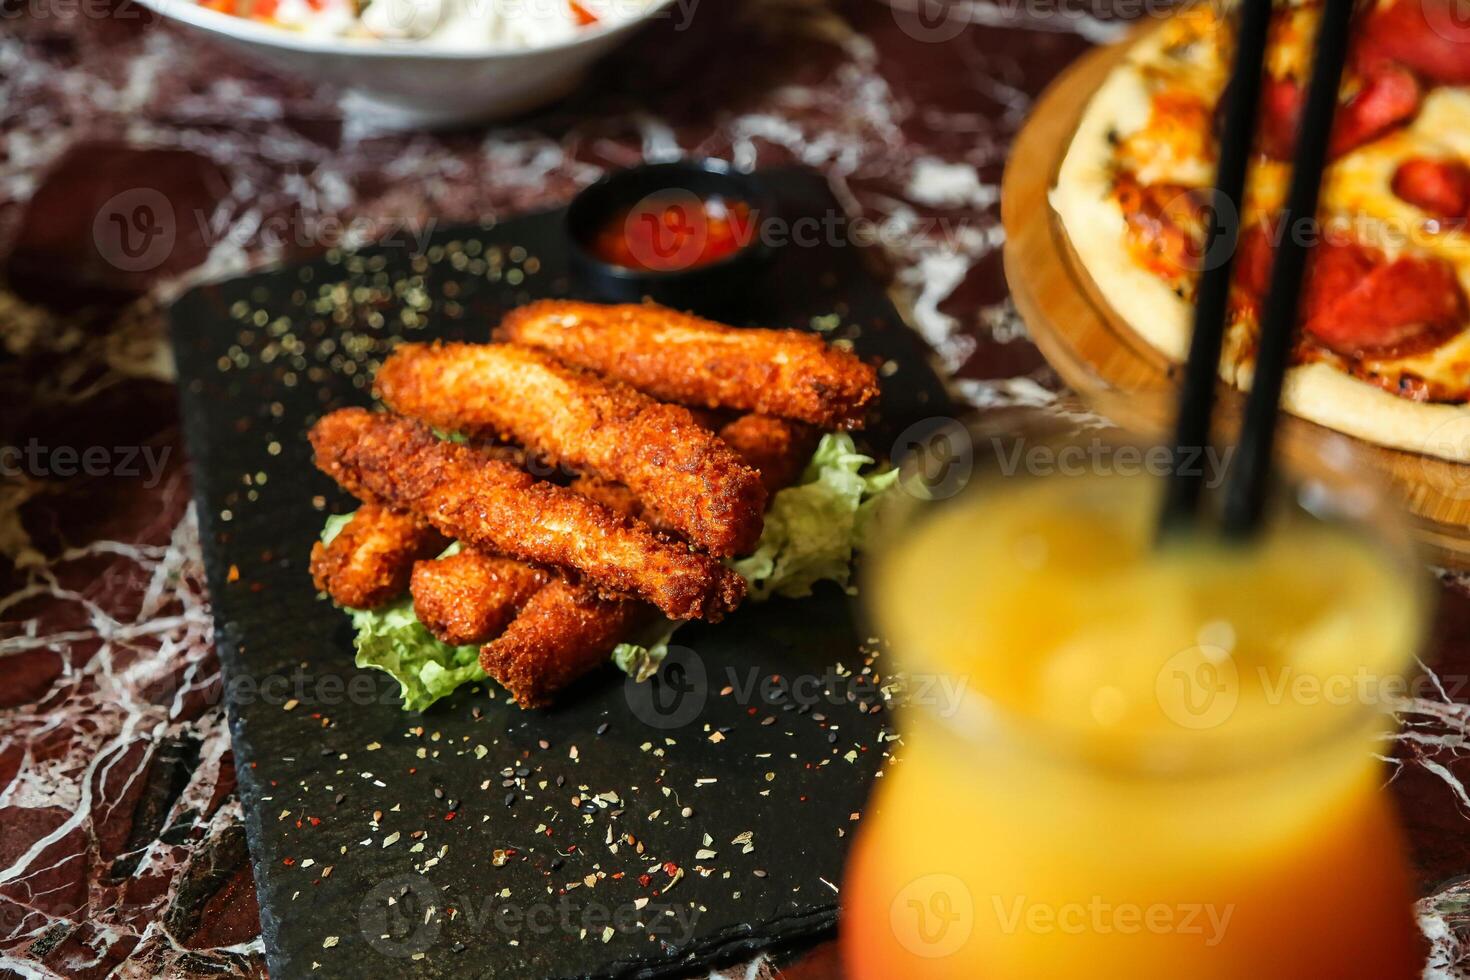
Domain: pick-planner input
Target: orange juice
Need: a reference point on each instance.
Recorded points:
(1127, 761)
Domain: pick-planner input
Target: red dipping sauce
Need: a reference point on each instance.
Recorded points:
(673, 231)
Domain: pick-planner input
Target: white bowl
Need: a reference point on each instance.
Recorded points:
(408, 85)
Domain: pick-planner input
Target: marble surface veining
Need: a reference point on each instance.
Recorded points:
(121, 850)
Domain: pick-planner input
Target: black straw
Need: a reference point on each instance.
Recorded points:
(1196, 400)
(1245, 495)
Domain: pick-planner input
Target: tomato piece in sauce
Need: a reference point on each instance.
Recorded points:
(666, 233)
(583, 16)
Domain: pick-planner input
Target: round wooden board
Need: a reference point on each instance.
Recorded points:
(1120, 374)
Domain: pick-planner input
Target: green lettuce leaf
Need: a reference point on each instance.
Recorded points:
(640, 658)
(812, 531)
(813, 528)
(334, 526)
(392, 639)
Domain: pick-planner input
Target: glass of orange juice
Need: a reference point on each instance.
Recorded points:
(1124, 759)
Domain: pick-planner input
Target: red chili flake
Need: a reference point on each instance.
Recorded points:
(645, 880)
(617, 876)
(670, 867)
(298, 825)
(448, 817)
(750, 711)
(314, 821)
(571, 848)
(288, 862)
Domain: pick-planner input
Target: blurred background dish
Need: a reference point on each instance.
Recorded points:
(410, 64)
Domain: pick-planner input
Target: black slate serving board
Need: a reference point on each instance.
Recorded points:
(633, 830)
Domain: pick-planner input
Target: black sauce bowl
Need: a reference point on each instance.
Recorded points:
(718, 288)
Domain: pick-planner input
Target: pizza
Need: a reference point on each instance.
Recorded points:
(1383, 349)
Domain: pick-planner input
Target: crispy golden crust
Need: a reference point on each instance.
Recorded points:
(490, 505)
(369, 561)
(682, 358)
(470, 596)
(779, 449)
(570, 416)
(565, 631)
(621, 500)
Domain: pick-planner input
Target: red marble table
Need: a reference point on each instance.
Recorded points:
(121, 850)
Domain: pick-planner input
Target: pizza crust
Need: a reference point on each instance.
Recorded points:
(1323, 394)
(1082, 199)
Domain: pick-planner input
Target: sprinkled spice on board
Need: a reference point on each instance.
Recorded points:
(654, 808)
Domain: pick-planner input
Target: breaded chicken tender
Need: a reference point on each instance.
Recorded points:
(565, 631)
(369, 562)
(557, 633)
(621, 500)
(469, 597)
(779, 449)
(682, 358)
(567, 415)
(489, 505)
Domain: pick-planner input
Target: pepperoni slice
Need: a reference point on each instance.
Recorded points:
(1165, 224)
(1387, 97)
(1432, 37)
(1281, 107)
(1253, 258)
(1441, 187)
(1358, 302)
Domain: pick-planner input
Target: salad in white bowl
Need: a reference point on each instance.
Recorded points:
(461, 24)
(425, 63)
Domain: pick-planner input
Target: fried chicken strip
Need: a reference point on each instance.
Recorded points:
(563, 632)
(779, 449)
(469, 597)
(682, 358)
(536, 653)
(369, 562)
(494, 507)
(570, 416)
